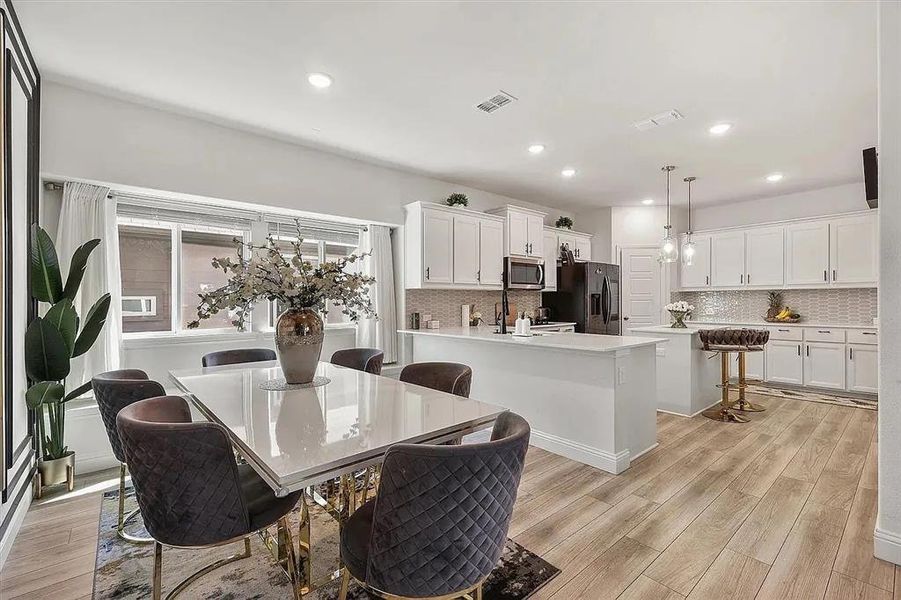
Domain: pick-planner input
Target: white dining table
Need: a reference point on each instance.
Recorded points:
(298, 438)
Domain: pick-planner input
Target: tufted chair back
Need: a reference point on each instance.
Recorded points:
(241, 355)
(449, 377)
(450, 506)
(114, 390)
(368, 360)
(185, 475)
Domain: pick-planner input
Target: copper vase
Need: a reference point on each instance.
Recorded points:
(298, 339)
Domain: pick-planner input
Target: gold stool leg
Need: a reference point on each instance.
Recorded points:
(123, 518)
(345, 582)
(723, 412)
(742, 403)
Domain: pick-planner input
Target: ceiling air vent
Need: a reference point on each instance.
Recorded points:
(663, 118)
(500, 99)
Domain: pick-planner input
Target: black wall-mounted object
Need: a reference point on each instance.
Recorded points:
(871, 176)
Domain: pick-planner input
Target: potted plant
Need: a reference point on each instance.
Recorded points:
(564, 222)
(457, 199)
(51, 342)
(679, 310)
(299, 287)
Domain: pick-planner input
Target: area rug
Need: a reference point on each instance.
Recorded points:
(123, 570)
(813, 396)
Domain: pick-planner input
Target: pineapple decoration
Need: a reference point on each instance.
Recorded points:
(775, 300)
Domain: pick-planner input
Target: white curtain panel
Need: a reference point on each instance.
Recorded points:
(380, 333)
(86, 214)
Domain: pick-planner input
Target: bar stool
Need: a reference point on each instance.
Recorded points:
(724, 341)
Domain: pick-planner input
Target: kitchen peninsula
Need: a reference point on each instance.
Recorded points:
(591, 398)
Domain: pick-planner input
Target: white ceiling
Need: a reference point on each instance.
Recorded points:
(797, 80)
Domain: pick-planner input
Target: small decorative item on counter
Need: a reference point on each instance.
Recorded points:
(679, 310)
(457, 199)
(475, 318)
(564, 222)
(464, 315)
(434, 324)
(776, 313)
(415, 320)
(426, 317)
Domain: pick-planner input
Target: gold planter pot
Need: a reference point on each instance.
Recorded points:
(298, 339)
(56, 471)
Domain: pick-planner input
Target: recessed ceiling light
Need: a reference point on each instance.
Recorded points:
(568, 172)
(536, 148)
(774, 177)
(720, 128)
(319, 80)
(647, 201)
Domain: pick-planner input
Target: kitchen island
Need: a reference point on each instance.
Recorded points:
(591, 398)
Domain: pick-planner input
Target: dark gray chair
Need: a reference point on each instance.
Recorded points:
(192, 492)
(450, 506)
(241, 355)
(449, 377)
(368, 360)
(113, 391)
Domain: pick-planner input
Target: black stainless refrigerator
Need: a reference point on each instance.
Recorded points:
(587, 293)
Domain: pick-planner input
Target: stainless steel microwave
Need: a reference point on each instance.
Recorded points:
(523, 273)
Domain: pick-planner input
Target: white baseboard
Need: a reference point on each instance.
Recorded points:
(603, 460)
(887, 546)
(94, 463)
(694, 414)
(15, 523)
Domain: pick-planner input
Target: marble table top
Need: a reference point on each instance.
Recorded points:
(304, 436)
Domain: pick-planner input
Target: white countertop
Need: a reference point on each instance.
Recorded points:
(582, 342)
(554, 325)
(761, 323)
(666, 330)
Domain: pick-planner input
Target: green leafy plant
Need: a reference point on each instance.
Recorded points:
(457, 199)
(564, 222)
(52, 341)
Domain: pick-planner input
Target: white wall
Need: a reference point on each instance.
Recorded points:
(814, 203)
(642, 225)
(887, 536)
(597, 223)
(91, 136)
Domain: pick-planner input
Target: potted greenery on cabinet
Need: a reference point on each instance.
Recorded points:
(51, 342)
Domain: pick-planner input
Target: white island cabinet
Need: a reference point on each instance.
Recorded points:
(590, 398)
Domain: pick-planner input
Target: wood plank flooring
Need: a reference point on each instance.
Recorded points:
(779, 508)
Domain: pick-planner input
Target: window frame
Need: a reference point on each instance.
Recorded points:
(176, 276)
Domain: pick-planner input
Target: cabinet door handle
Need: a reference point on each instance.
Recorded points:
(869, 333)
(427, 272)
(742, 278)
(749, 279)
(833, 275)
(823, 331)
(479, 275)
(808, 349)
(783, 330)
(851, 353)
(825, 275)
(799, 349)
(706, 279)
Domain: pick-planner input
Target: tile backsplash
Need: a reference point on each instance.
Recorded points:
(445, 305)
(838, 306)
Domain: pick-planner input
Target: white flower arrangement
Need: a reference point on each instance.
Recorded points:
(268, 274)
(680, 306)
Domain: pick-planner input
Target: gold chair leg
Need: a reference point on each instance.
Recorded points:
(479, 592)
(345, 583)
(304, 548)
(723, 412)
(742, 403)
(123, 518)
(158, 570)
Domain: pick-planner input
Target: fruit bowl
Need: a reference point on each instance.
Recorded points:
(785, 320)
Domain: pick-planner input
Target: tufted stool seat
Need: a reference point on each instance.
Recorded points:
(740, 341)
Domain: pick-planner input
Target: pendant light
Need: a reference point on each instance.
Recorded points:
(688, 248)
(669, 250)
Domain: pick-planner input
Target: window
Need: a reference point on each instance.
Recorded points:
(164, 266)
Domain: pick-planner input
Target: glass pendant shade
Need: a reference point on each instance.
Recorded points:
(669, 249)
(688, 252)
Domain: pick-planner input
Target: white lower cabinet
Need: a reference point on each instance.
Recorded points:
(863, 368)
(784, 363)
(754, 365)
(824, 365)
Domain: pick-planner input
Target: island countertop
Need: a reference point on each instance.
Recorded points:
(580, 342)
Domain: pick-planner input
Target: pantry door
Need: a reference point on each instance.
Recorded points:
(641, 287)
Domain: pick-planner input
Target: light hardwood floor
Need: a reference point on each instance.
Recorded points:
(779, 508)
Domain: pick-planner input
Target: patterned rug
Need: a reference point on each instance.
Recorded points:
(123, 570)
(813, 396)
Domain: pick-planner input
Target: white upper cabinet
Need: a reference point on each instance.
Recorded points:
(491, 255)
(697, 275)
(524, 231)
(583, 249)
(853, 250)
(466, 249)
(551, 252)
(727, 262)
(807, 253)
(568, 240)
(438, 246)
(765, 257)
(452, 248)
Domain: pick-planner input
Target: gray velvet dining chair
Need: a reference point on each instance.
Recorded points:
(451, 508)
(192, 492)
(368, 360)
(113, 391)
(240, 355)
(453, 378)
